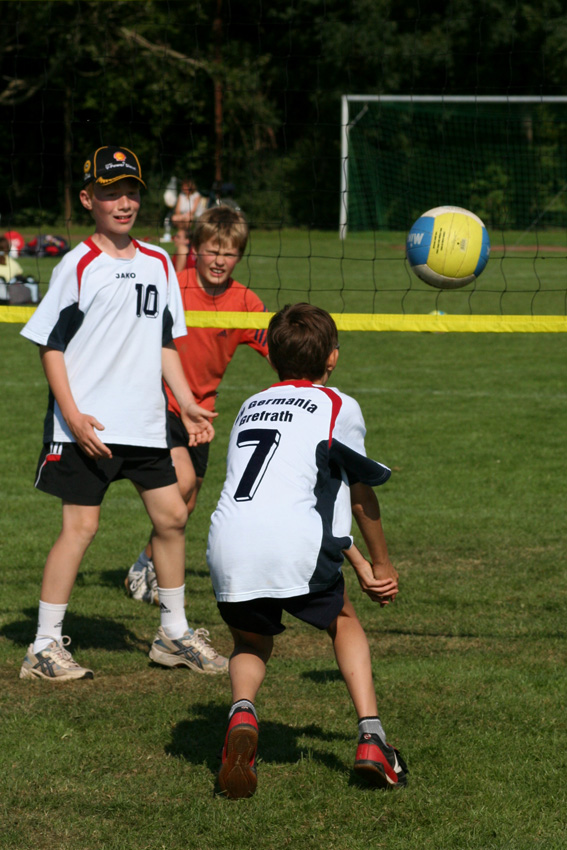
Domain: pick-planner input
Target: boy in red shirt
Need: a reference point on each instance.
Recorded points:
(219, 241)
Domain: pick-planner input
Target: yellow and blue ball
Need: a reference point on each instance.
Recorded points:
(448, 247)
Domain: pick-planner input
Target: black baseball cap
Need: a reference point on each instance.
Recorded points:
(109, 164)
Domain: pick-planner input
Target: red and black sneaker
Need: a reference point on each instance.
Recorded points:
(237, 776)
(379, 763)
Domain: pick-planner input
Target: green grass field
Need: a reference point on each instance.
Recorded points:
(469, 663)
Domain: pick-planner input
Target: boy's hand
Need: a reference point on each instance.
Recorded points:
(382, 590)
(197, 421)
(82, 427)
(385, 572)
(378, 581)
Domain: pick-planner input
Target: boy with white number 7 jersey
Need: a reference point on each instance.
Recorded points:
(297, 472)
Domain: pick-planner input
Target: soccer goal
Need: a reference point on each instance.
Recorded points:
(502, 157)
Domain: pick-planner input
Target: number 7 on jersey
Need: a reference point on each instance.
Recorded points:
(266, 441)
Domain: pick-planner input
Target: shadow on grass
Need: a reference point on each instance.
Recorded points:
(87, 632)
(115, 578)
(191, 571)
(322, 677)
(200, 739)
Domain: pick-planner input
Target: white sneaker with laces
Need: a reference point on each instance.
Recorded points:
(192, 650)
(141, 583)
(151, 581)
(54, 663)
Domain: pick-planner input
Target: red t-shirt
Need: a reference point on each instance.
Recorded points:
(206, 352)
(190, 262)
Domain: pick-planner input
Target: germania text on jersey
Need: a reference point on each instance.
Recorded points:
(271, 415)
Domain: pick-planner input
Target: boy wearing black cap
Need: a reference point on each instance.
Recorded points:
(106, 331)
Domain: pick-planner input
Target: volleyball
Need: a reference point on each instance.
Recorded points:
(448, 247)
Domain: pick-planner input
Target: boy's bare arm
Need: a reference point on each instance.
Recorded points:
(379, 590)
(366, 511)
(81, 425)
(196, 419)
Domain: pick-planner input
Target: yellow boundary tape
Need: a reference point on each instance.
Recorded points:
(362, 321)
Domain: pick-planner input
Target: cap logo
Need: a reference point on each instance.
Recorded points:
(111, 163)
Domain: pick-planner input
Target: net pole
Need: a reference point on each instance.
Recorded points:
(344, 168)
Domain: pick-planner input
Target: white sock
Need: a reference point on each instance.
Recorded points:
(49, 625)
(172, 611)
(372, 726)
(239, 705)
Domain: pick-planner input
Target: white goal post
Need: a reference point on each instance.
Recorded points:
(347, 124)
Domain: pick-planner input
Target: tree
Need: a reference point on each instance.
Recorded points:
(78, 73)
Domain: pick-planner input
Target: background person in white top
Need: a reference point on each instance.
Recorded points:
(188, 206)
(296, 473)
(9, 267)
(105, 329)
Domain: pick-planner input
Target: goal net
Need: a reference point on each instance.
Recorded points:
(503, 157)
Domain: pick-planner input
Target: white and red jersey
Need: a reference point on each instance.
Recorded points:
(110, 317)
(284, 514)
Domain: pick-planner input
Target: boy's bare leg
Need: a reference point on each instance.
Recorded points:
(376, 761)
(247, 665)
(247, 668)
(47, 656)
(353, 657)
(188, 483)
(191, 498)
(168, 514)
(79, 526)
(186, 478)
(176, 644)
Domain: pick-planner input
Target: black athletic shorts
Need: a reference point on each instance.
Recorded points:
(264, 616)
(64, 470)
(179, 438)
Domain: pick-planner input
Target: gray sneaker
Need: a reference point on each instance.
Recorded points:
(54, 663)
(192, 650)
(151, 581)
(141, 583)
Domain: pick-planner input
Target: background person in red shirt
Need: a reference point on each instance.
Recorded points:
(219, 241)
(184, 257)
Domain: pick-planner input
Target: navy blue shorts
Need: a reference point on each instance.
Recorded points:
(264, 616)
(179, 438)
(64, 470)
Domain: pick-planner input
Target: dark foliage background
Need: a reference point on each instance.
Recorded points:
(76, 74)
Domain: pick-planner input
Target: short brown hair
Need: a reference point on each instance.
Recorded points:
(224, 223)
(300, 339)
